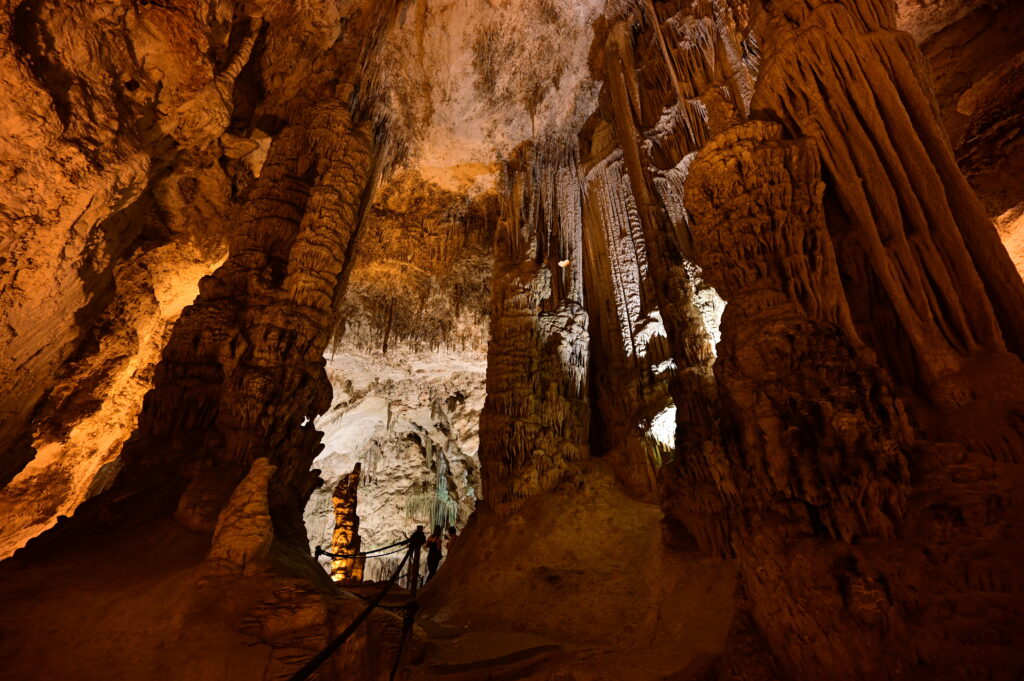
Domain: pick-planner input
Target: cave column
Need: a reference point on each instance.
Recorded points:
(535, 423)
(672, 289)
(815, 462)
(912, 228)
(243, 375)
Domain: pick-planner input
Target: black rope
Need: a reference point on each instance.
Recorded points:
(381, 555)
(406, 576)
(320, 552)
(407, 622)
(321, 657)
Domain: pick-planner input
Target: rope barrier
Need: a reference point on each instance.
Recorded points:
(415, 542)
(320, 552)
(409, 618)
(407, 622)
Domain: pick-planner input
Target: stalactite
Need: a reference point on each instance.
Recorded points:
(841, 74)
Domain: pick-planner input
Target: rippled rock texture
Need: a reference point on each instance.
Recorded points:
(266, 265)
(147, 144)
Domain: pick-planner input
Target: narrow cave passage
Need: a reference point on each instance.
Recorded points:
(407, 365)
(700, 320)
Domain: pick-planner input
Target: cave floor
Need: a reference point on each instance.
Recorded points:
(577, 585)
(136, 603)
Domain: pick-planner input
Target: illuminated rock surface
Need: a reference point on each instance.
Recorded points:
(702, 321)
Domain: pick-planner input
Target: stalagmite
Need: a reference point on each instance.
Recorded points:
(244, 532)
(345, 539)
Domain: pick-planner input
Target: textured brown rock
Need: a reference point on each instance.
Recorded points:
(839, 502)
(531, 574)
(242, 375)
(244, 532)
(819, 443)
(255, 335)
(627, 334)
(656, 88)
(921, 242)
(85, 157)
(975, 62)
(535, 422)
(420, 269)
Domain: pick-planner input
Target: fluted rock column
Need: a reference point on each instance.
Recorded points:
(535, 422)
(345, 539)
(630, 360)
(693, 389)
(242, 376)
(814, 468)
(911, 233)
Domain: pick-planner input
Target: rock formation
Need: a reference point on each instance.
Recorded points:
(284, 275)
(819, 441)
(916, 255)
(345, 539)
(112, 215)
(407, 365)
(975, 58)
(535, 421)
(412, 426)
(244, 532)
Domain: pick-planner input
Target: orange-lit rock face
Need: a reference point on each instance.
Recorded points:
(91, 91)
(97, 286)
(229, 226)
(419, 279)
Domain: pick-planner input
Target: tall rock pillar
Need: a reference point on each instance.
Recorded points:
(535, 423)
(345, 540)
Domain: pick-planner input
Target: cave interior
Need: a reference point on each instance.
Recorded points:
(699, 322)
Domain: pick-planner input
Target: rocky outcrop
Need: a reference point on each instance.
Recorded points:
(244, 533)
